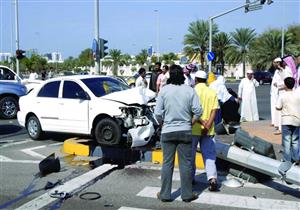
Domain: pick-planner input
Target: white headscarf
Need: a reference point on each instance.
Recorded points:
(219, 86)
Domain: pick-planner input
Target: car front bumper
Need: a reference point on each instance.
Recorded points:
(140, 136)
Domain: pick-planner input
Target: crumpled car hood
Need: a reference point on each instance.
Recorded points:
(136, 95)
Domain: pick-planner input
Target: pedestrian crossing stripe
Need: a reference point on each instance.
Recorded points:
(236, 201)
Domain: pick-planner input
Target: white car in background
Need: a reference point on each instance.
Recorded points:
(100, 106)
(8, 75)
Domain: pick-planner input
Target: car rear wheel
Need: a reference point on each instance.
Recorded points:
(8, 107)
(107, 132)
(34, 128)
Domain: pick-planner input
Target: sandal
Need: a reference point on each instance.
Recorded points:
(213, 185)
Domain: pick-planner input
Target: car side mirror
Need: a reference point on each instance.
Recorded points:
(82, 95)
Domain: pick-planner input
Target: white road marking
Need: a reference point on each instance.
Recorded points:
(29, 151)
(4, 159)
(227, 200)
(131, 208)
(14, 142)
(67, 187)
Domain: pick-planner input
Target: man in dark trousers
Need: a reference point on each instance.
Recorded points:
(177, 109)
(156, 71)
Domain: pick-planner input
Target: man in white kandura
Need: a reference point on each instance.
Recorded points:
(247, 96)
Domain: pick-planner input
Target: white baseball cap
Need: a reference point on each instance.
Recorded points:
(277, 59)
(249, 71)
(201, 74)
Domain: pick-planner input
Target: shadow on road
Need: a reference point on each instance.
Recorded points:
(9, 129)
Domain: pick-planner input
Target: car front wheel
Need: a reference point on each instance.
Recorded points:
(107, 132)
(34, 128)
(9, 107)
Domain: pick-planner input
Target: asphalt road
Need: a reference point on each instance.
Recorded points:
(132, 187)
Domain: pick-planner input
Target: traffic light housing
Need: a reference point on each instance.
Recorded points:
(103, 48)
(247, 6)
(20, 54)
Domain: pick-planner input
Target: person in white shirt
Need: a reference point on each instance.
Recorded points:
(141, 80)
(247, 97)
(33, 75)
(288, 104)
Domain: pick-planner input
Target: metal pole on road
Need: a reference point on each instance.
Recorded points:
(17, 35)
(96, 21)
(219, 15)
(157, 34)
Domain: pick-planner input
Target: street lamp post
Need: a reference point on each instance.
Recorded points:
(157, 34)
(96, 21)
(247, 4)
(17, 34)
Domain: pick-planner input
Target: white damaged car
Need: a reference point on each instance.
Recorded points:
(100, 106)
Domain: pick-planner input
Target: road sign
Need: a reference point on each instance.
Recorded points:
(211, 56)
(95, 49)
(150, 51)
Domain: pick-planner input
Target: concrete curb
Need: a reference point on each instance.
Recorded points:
(81, 147)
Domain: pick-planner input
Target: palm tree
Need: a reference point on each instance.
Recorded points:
(169, 58)
(196, 41)
(126, 59)
(116, 56)
(221, 44)
(239, 49)
(268, 46)
(141, 58)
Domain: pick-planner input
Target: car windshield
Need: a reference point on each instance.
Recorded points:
(103, 86)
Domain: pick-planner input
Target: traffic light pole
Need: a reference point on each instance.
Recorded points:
(219, 15)
(17, 35)
(97, 62)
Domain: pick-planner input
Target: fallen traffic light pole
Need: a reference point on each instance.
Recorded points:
(257, 162)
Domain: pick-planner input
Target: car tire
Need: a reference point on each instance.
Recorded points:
(34, 128)
(107, 132)
(8, 107)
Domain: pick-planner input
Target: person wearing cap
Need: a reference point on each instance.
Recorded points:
(203, 131)
(247, 97)
(177, 109)
(283, 71)
(189, 74)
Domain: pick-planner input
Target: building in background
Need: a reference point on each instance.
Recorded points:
(5, 57)
(54, 57)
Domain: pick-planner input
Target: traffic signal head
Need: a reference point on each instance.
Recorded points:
(247, 6)
(103, 48)
(262, 1)
(20, 54)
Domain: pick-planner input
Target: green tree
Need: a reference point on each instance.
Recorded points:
(126, 60)
(116, 56)
(239, 50)
(141, 58)
(221, 44)
(196, 41)
(85, 58)
(267, 46)
(169, 58)
(294, 30)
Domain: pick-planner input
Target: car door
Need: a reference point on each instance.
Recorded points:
(73, 108)
(45, 106)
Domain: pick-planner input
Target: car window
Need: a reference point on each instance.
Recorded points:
(6, 74)
(50, 90)
(104, 86)
(70, 89)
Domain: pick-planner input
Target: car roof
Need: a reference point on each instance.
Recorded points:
(78, 77)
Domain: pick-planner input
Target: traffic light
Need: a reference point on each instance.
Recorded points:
(103, 48)
(247, 6)
(262, 1)
(19, 54)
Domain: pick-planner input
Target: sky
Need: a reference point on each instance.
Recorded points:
(68, 26)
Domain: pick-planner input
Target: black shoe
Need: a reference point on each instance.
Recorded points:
(162, 200)
(194, 197)
(213, 185)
